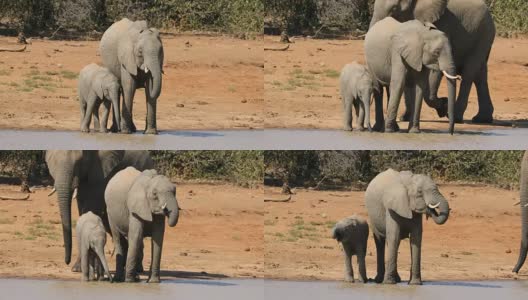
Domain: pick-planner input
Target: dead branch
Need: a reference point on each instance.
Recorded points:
(13, 50)
(278, 200)
(277, 49)
(22, 198)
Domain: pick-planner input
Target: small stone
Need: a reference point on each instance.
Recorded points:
(444, 255)
(247, 249)
(244, 101)
(507, 100)
(508, 251)
(183, 254)
(180, 105)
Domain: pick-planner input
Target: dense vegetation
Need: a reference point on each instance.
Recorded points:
(244, 168)
(346, 169)
(45, 16)
(347, 16)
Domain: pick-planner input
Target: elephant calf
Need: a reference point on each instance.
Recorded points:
(91, 237)
(352, 233)
(137, 204)
(98, 85)
(357, 87)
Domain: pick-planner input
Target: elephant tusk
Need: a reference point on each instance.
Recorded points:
(164, 206)
(52, 191)
(457, 77)
(517, 203)
(74, 194)
(146, 70)
(434, 206)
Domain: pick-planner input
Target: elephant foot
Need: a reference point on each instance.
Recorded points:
(140, 268)
(361, 128)
(154, 279)
(482, 119)
(398, 278)
(392, 127)
(390, 281)
(349, 278)
(378, 279)
(133, 127)
(441, 107)
(114, 128)
(86, 130)
(76, 267)
(85, 278)
(151, 131)
(415, 281)
(378, 127)
(104, 130)
(125, 130)
(414, 129)
(118, 278)
(347, 128)
(134, 278)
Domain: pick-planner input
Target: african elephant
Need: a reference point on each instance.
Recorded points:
(395, 203)
(98, 85)
(134, 54)
(401, 55)
(357, 87)
(137, 204)
(471, 31)
(88, 173)
(91, 238)
(352, 233)
(524, 213)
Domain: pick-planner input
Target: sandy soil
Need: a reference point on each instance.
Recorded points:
(209, 83)
(302, 85)
(219, 232)
(479, 241)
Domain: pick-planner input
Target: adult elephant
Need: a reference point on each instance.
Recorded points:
(88, 172)
(395, 203)
(134, 53)
(471, 31)
(524, 214)
(401, 56)
(138, 203)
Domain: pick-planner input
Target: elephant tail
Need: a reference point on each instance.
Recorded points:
(524, 214)
(337, 233)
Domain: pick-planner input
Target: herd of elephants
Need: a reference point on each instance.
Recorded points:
(121, 193)
(409, 47)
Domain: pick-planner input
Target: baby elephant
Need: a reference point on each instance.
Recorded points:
(352, 233)
(357, 88)
(91, 238)
(98, 85)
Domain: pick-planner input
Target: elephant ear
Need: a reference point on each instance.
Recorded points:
(409, 45)
(397, 200)
(429, 10)
(110, 160)
(137, 201)
(125, 51)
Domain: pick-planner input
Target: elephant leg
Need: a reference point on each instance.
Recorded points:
(119, 248)
(366, 109)
(360, 115)
(361, 254)
(414, 125)
(97, 121)
(378, 104)
(85, 264)
(347, 113)
(76, 268)
(430, 94)
(141, 249)
(380, 258)
(408, 95)
(485, 111)
(399, 74)
(158, 230)
(462, 99)
(92, 266)
(82, 105)
(135, 237)
(349, 271)
(129, 89)
(416, 253)
(393, 243)
(116, 111)
(151, 124)
(104, 119)
(90, 105)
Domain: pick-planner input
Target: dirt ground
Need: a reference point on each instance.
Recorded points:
(209, 83)
(302, 85)
(479, 241)
(219, 234)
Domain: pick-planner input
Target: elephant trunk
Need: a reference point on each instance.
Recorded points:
(524, 214)
(174, 215)
(440, 216)
(447, 66)
(64, 188)
(154, 81)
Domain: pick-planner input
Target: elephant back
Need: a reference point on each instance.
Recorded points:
(374, 200)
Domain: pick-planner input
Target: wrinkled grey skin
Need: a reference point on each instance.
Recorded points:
(524, 214)
(91, 238)
(357, 87)
(134, 54)
(137, 204)
(401, 56)
(96, 86)
(89, 172)
(395, 203)
(471, 31)
(352, 233)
